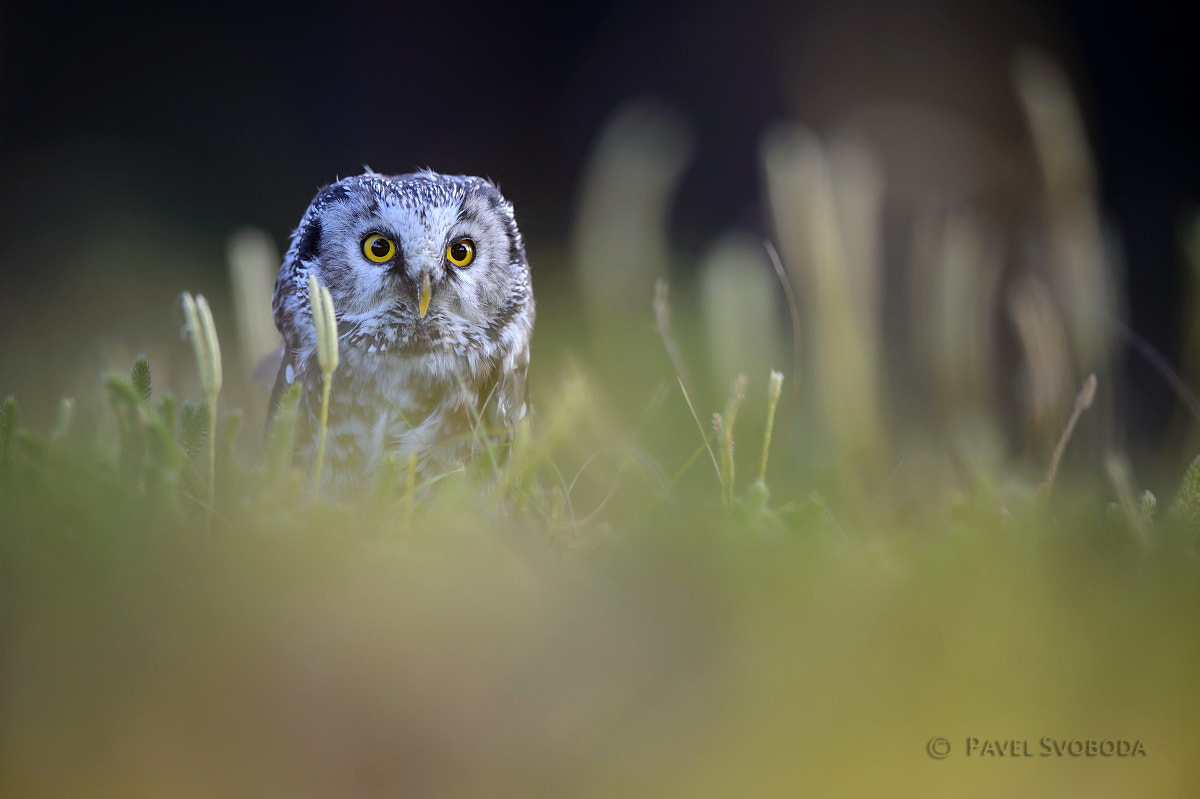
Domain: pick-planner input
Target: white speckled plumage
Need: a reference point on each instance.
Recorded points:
(406, 384)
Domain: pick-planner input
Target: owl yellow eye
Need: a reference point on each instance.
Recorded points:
(461, 252)
(378, 249)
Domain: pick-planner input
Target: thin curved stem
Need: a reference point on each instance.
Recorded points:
(328, 380)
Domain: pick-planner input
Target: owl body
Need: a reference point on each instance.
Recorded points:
(432, 293)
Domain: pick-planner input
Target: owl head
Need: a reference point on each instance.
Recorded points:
(425, 252)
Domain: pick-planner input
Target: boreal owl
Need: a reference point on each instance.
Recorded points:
(434, 306)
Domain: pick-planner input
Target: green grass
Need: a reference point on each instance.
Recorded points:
(578, 624)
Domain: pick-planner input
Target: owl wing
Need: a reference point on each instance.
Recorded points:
(283, 378)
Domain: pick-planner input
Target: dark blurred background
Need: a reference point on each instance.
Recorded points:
(151, 133)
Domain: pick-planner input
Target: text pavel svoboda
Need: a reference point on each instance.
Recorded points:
(1054, 747)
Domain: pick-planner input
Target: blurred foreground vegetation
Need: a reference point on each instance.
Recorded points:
(664, 589)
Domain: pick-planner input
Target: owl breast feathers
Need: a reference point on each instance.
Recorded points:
(432, 294)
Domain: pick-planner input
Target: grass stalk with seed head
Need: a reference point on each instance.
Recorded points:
(774, 391)
(325, 323)
(719, 428)
(1083, 401)
(725, 434)
(662, 315)
(208, 360)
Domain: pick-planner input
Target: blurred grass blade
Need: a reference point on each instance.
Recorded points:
(253, 265)
(325, 330)
(840, 298)
(10, 420)
(208, 360)
(740, 307)
(1081, 266)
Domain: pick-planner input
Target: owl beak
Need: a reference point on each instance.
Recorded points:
(423, 299)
